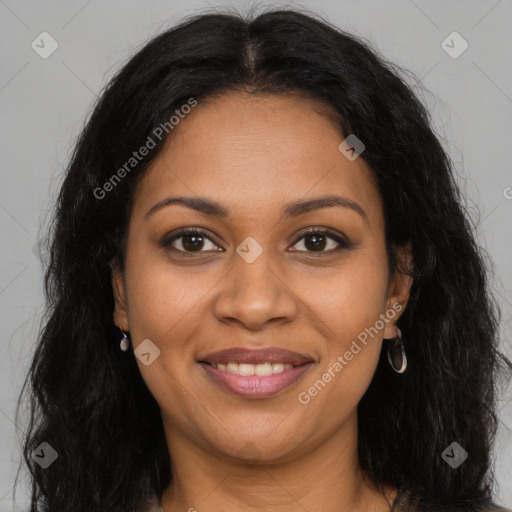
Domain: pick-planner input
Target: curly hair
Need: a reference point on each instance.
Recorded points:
(89, 401)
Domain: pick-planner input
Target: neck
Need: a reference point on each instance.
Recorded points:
(325, 477)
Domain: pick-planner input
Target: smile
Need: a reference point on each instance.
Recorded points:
(255, 380)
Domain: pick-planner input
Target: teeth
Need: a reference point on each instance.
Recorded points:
(246, 370)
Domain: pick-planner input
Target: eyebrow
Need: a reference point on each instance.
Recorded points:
(291, 210)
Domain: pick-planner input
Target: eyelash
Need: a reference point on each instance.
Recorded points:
(343, 243)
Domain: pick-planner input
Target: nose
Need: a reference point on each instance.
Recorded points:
(254, 294)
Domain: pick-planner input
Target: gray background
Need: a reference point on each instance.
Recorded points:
(43, 104)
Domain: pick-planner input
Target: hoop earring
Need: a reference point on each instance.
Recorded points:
(125, 343)
(396, 354)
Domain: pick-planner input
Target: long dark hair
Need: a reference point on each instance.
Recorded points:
(88, 400)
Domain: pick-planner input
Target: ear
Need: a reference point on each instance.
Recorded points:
(399, 288)
(119, 289)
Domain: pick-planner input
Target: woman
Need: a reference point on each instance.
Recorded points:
(263, 293)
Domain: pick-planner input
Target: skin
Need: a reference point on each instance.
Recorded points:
(255, 154)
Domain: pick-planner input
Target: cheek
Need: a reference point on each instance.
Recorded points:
(164, 300)
(351, 299)
(165, 306)
(351, 305)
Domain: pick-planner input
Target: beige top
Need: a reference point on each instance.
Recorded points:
(405, 501)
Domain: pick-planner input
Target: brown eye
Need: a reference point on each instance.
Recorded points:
(315, 242)
(190, 241)
(321, 241)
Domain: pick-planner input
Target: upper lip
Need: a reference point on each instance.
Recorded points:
(252, 356)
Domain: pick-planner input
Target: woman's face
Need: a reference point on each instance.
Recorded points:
(255, 279)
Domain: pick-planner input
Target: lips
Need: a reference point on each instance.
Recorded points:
(251, 356)
(255, 386)
(248, 376)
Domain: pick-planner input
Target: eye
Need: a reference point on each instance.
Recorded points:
(316, 240)
(194, 240)
(190, 240)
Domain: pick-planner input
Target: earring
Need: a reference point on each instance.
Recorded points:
(124, 344)
(396, 354)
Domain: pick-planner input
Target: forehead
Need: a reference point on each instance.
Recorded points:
(257, 151)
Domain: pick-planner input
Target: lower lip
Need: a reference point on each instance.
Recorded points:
(254, 386)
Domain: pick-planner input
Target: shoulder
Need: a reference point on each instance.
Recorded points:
(495, 508)
(151, 500)
(153, 505)
(408, 500)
